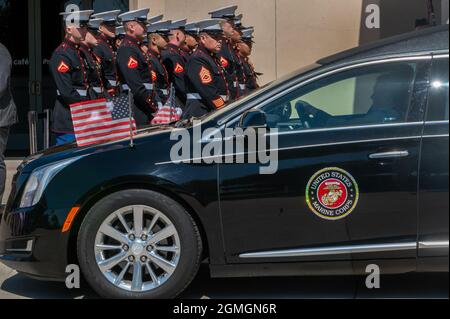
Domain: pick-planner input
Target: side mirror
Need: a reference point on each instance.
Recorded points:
(253, 119)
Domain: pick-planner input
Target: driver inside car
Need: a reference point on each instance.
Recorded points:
(391, 95)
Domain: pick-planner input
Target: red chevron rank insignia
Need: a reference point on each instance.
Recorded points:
(63, 67)
(179, 68)
(205, 75)
(224, 62)
(133, 63)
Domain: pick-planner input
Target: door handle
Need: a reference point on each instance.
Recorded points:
(387, 155)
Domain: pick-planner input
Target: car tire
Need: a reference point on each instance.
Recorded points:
(190, 243)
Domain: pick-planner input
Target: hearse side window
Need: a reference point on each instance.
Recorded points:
(377, 94)
(438, 106)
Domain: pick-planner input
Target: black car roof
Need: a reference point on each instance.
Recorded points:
(429, 40)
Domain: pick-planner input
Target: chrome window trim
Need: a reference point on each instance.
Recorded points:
(441, 56)
(435, 136)
(434, 244)
(332, 250)
(345, 128)
(323, 75)
(436, 122)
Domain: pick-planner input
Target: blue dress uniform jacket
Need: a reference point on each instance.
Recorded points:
(230, 63)
(175, 65)
(106, 54)
(206, 83)
(69, 69)
(251, 79)
(94, 74)
(135, 74)
(160, 76)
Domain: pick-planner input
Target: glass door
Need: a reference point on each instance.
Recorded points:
(16, 32)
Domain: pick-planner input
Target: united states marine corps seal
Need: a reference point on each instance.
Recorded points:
(332, 193)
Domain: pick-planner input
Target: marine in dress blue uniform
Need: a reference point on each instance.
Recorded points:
(250, 75)
(106, 49)
(192, 37)
(135, 69)
(227, 56)
(69, 70)
(158, 39)
(94, 69)
(175, 62)
(206, 82)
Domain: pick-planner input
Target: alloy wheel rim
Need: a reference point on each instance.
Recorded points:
(137, 248)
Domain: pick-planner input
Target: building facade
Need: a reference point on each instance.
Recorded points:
(289, 34)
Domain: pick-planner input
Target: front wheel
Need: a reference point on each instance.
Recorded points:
(139, 244)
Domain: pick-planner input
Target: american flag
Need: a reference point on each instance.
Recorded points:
(100, 121)
(167, 115)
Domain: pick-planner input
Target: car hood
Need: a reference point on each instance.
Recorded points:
(58, 153)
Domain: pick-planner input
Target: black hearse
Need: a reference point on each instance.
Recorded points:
(362, 178)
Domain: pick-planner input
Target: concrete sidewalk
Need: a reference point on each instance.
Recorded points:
(11, 166)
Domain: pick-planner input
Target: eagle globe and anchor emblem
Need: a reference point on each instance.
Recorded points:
(332, 194)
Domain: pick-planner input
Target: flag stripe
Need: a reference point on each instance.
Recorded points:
(87, 106)
(102, 128)
(100, 125)
(90, 109)
(97, 115)
(119, 126)
(89, 102)
(108, 133)
(78, 124)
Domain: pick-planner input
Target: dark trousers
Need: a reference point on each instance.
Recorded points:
(4, 132)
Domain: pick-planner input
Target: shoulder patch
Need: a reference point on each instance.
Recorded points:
(63, 67)
(133, 63)
(205, 75)
(224, 62)
(178, 68)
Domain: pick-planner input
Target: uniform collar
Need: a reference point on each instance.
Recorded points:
(204, 50)
(85, 47)
(157, 54)
(133, 40)
(71, 44)
(173, 46)
(106, 39)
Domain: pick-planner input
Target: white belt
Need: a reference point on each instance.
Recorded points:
(235, 84)
(148, 86)
(165, 92)
(80, 92)
(113, 83)
(196, 96)
(97, 90)
(193, 96)
(242, 86)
